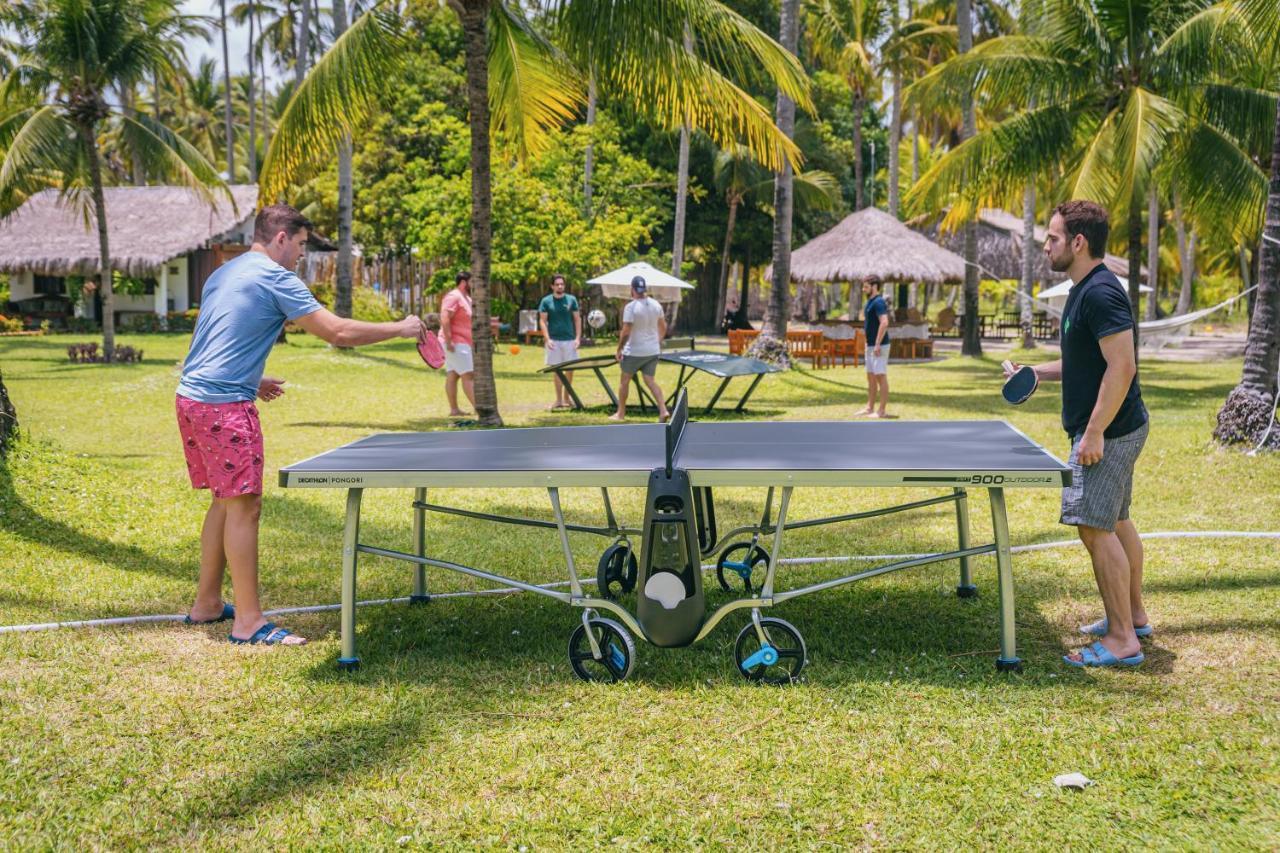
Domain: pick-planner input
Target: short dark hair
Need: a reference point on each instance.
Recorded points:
(1089, 219)
(557, 277)
(463, 275)
(274, 218)
(874, 281)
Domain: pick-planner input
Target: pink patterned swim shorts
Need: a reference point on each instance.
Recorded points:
(223, 445)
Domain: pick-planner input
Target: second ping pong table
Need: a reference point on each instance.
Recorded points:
(680, 464)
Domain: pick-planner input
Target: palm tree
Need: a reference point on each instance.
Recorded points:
(226, 93)
(779, 308)
(1249, 408)
(75, 52)
(740, 178)
(844, 33)
(637, 51)
(1115, 95)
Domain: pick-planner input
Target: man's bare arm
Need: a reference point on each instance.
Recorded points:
(1122, 366)
(1050, 371)
(341, 332)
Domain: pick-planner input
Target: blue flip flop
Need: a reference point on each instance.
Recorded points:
(1098, 655)
(1099, 629)
(267, 635)
(228, 613)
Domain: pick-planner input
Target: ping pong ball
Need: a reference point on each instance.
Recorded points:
(515, 349)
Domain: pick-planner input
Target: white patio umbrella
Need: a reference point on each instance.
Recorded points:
(1057, 295)
(662, 286)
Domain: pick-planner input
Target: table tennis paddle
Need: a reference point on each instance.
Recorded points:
(430, 349)
(1021, 384)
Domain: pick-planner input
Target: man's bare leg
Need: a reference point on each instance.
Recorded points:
(1132, 544)
(623, 387)
(871, 396)
(555, 377)
(469, 388)
(451, 393)
(213, 562)
(882, 380)
(1111, 571)
(652, 382)
(240, 542)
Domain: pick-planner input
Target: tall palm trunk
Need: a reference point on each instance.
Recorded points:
(1135, 261)
(304, 43)
(474, 16)
(1247, 412)
(775, 318)
(722, 293)
(859, 176)
(895, 125)
(253, 122)
(342, 272)
(682, 187)
(128, 99)
(1186, 258)
(915, 147)
(972, 344)
(89, 140)
(1152, 309)
(264, 92)
(588, 167)
(226, 95)
(1028, 263)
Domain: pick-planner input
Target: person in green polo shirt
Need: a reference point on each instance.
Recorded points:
(561, 323)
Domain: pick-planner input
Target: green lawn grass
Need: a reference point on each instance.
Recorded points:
(465, 726)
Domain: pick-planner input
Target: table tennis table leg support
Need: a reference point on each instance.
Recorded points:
(1008, 660)
(350, 544)
(966, 589)
(419, 595)
(575, 586)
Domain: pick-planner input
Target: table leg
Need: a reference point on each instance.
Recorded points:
(419, 595)
(350, 539)
(716, 397)
(966, 589)
(613, 398)
(575, 586)
(742, 404)
(1008, 660)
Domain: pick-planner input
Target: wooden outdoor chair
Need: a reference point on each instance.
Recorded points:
(810, 345)
(740, 339)
(945, 326)
(845, 343)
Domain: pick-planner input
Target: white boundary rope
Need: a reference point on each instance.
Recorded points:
(791, 561)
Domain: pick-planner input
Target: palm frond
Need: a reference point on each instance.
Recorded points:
(38, 144)
(637, 51)
(532, 87)
(162, 152)
(1234, 200)
(1009, 71)
(1142, 133)
(1247, 115)
(1093, 176)
(815, 189)
(334, 99)
(1212, 41)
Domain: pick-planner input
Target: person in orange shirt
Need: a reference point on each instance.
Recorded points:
(455, 335)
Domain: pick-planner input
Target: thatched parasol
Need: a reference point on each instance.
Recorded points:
(146, 227)
(871, 242)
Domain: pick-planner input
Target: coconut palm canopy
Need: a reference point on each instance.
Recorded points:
(871, 242)
(1000, 247)
(147, 226)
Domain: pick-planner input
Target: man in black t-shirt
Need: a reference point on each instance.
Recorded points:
(876, 328)
(1103, 414)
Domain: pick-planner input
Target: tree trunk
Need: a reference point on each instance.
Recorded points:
(88, 138)
(342, 272)
(895, 126)
(1135, 263)
(1028, 263)
(915, 148)
(474, 17)
(127, 104)
(589, 161)
(1186, 258)
(8, 419)
(972, 343)
(226, 94)
(304, 43)
(859, 176)
(263, 92)
(682, 188)
(253, 112)
(1153, 251)
(776, 314)
(722, 294)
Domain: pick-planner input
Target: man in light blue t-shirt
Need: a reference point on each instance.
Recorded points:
(242, 309)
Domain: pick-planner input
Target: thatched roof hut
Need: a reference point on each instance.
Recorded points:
(1000, 247)
(871, 242)
(147, 227)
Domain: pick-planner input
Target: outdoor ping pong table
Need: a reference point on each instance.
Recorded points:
(680, 464)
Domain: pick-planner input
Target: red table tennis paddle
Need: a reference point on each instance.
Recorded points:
(431, 351)
(1021, 384)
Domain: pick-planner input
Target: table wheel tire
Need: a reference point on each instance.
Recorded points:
(617, 648)
(733, 565)
(616, 571)
(785, 639)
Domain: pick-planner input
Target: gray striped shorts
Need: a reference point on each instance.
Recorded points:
(1099, 495)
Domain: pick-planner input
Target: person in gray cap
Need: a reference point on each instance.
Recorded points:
(644, 325)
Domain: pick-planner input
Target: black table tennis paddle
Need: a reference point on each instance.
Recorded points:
(1021, 384)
